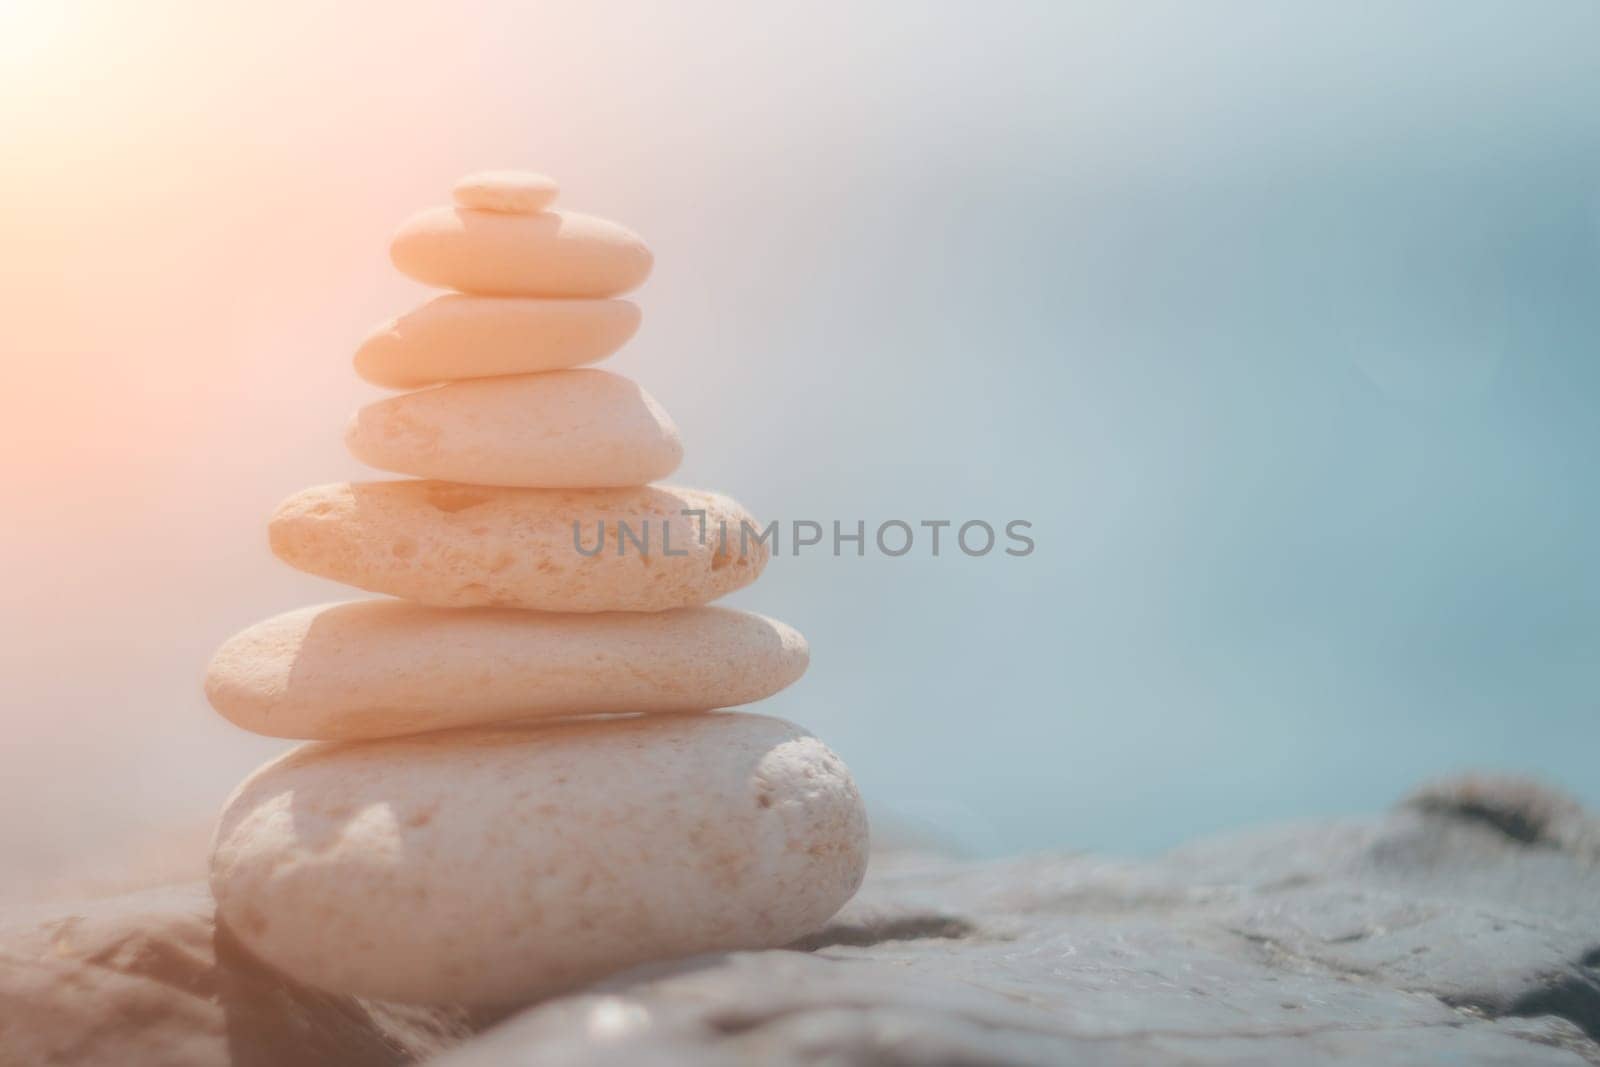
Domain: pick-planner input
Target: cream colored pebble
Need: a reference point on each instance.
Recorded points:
(496, 866)
(459, 336)
(549, 254)
(565, 429)
(380, 668)
(516, 192)
(471, 546)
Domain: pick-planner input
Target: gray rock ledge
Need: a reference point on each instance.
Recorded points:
(1461, 928)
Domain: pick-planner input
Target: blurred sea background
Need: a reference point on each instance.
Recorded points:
(1280, 322)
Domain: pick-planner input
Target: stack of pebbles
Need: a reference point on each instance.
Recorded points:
(516, 784)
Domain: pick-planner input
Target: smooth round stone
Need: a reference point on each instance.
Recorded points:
(487, 546)
(459, 336)
(552, 253)
(495, 866)
(515, 192)
(380, 668)
(565, 429)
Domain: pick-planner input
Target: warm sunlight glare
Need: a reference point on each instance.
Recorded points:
(31, 32)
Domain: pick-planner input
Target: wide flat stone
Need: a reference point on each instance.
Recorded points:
(371, 669)
(1462, 928)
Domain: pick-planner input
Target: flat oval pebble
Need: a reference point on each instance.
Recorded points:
(565, 429)
(552, 253)
(486, 546)
(495, 866)
(459, 336)
(379, 668)
(515, 192)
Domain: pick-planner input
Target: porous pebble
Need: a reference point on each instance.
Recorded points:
(485, 546)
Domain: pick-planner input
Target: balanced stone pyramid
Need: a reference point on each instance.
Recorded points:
(518, 779)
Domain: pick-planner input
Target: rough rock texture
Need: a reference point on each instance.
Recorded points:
(147, 978)
(1464, 928)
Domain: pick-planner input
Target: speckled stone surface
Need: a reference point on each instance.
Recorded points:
(484, 546)
(495, 866)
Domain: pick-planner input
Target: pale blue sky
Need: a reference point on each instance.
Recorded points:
(1278, 320)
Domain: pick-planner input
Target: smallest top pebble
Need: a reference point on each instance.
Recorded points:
(510, 192)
